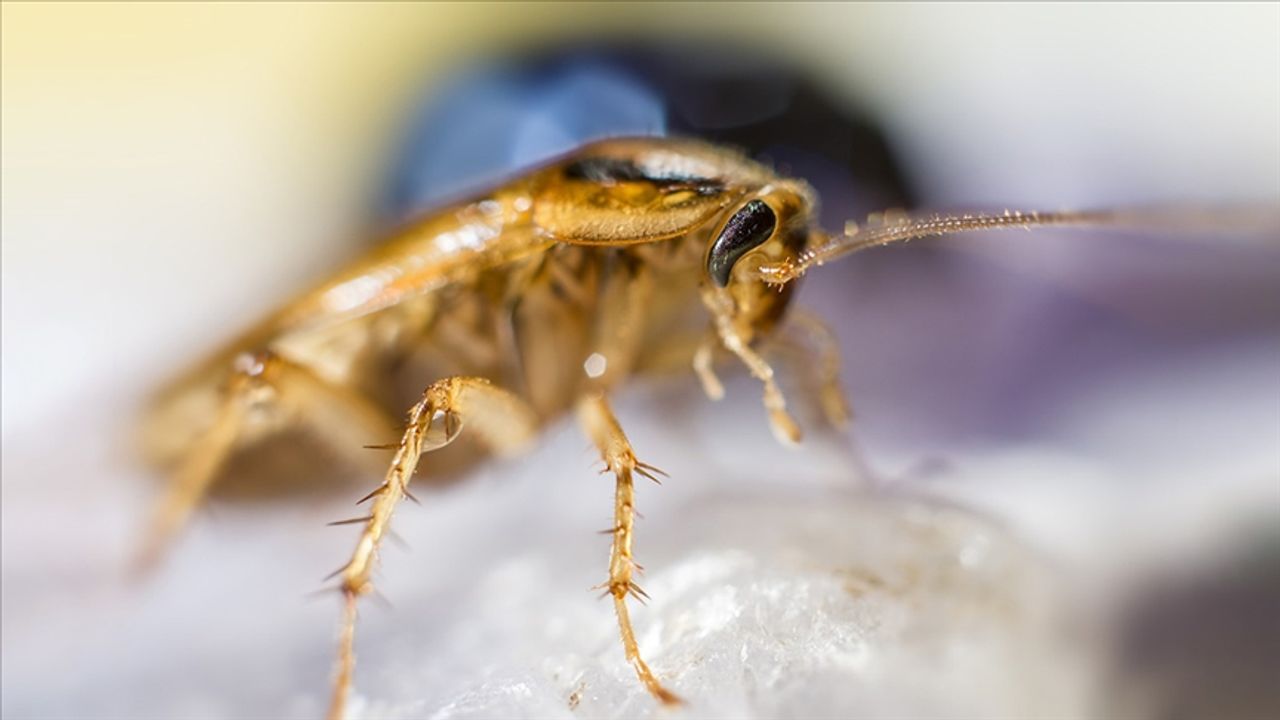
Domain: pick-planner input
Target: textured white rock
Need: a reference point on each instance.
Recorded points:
(833, 605)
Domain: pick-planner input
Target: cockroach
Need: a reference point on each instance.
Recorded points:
(556, 287)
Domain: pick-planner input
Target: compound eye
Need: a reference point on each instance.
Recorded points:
(747, 230)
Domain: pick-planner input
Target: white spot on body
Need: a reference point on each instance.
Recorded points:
(595, 365)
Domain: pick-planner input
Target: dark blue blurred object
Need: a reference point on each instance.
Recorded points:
(502, 116)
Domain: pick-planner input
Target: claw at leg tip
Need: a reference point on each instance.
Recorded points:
(665, 696)
(785, 429)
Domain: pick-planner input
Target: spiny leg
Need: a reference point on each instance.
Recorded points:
(501, 420)
(600, 424)
(259, 383)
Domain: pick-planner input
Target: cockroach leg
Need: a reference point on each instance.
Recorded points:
(191, 480)
(703, 367)
(600, 424)
(722, 311)
(501, 420)
(620, 318)
(783, 425)
(264, 393)
(835, 404)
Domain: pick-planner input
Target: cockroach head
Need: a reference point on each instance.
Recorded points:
(770, 226)
(767, 227)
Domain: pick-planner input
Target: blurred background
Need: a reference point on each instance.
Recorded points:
(1102, 408)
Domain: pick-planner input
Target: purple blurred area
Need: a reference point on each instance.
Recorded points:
(994, 335)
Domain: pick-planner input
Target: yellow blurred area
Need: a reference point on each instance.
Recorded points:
(83, 82)
(157, 85)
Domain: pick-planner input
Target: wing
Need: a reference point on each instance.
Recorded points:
(638, 190)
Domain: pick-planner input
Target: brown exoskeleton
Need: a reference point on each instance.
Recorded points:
(554, 288)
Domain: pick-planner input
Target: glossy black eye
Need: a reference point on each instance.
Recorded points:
(745, 231)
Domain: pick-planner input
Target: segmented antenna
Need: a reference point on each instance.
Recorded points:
(900, 227)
